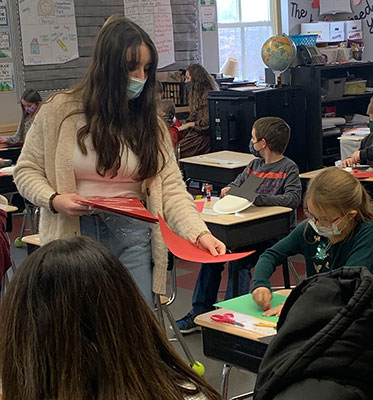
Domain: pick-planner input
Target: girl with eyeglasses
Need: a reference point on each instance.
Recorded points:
(338, 232)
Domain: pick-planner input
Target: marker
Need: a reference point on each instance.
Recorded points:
(208, 192)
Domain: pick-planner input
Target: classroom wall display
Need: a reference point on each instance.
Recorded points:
(48, 30)
(295, 12)
(155, 17)
(6, 77)
(3, 14)
(90, 15)
(5, 49)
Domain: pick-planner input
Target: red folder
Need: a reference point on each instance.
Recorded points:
(186, 250)
(130, 206)
(362, 175)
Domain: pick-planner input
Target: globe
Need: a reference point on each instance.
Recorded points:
(278, 53)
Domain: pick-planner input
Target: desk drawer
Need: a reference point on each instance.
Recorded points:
(235, 350)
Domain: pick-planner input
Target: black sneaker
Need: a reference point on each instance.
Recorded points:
(186, 324)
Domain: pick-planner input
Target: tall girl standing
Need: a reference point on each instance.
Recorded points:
(103, 138)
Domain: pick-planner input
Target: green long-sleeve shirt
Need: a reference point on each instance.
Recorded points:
(355, 250)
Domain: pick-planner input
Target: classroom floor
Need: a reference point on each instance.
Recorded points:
(240, 381)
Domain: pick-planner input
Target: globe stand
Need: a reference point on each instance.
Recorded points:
(277, 79)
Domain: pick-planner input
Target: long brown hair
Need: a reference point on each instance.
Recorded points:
(75, 327)
(201, 83)
(31, 96)
(338, 190)
(113, 120)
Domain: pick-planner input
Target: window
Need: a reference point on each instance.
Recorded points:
(243, 27)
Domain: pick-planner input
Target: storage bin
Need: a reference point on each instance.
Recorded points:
(176, 92)
(355, 87)
(337, 31)
(353, 29)
(329, 54)
(334, 88)
(322, 29)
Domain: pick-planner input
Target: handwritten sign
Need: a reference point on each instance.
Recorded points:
(155, 17)
(6, 77)
(3, 15)
(208, 18)
(48, 30)
(5, 43)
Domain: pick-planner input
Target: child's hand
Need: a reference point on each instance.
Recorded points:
(186, 126)
(356, 157)
(274, 311)
(224, 191)
(213, 245)
(3, 139)
(262, 296)
(347, 162)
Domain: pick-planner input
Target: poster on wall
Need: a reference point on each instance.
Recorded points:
(3, 15)
(5, 50)
(208, 18)
(6, 77)
(155, 17)
(48, 30)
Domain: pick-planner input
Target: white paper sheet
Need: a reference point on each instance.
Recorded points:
(155, 17)
(335, 6)
(48, 30)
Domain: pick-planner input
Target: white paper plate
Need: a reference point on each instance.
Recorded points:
(8, 170)
(231, 204)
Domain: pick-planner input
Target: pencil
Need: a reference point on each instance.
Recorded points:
(266, 324)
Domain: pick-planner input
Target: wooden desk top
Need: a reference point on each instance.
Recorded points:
(205, 320)
(250, 214)
(8, 128)
(8, 208)
(311, 174)
(32, 239)
(182, 109)
(222, 159)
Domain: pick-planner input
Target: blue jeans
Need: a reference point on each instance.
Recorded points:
(209, 278)
(129, 240)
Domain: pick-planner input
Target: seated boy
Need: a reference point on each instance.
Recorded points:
(280, 187)
(365, 153)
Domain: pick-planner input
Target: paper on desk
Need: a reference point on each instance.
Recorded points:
(218, 161)
(185, 250)
(362, 131)
(249, 324)
(246, 305)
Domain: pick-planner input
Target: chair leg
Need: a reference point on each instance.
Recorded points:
(160, 312)
(293, 273)
(225, 380)
(243, 396)
(179, 336)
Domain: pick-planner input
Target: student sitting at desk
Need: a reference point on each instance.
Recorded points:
(74, 326)
(196, 130)
(30, 101)
(338, 232)
(365, 153)
(281, 187)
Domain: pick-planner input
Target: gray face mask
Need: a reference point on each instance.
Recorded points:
(135, 87)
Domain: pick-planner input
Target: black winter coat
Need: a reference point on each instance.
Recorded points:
(324, 346)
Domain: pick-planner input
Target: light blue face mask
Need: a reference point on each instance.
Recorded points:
(135, 87)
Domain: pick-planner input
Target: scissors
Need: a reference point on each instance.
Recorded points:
(228, 318)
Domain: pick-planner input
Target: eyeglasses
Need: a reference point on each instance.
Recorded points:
(322, 221)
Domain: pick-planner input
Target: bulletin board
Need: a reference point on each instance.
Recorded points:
(7, 83)
(90, 15)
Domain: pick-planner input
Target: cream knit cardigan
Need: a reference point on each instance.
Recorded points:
(45, 166)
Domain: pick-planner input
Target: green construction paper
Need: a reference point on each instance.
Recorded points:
(246, 305)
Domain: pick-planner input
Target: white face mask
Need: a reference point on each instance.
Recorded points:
(135, 87)
(326, 231)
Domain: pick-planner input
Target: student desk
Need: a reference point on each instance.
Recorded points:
(253, 225)
(233, 344)
(311, 174)
(11, 152)
(219, 168)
